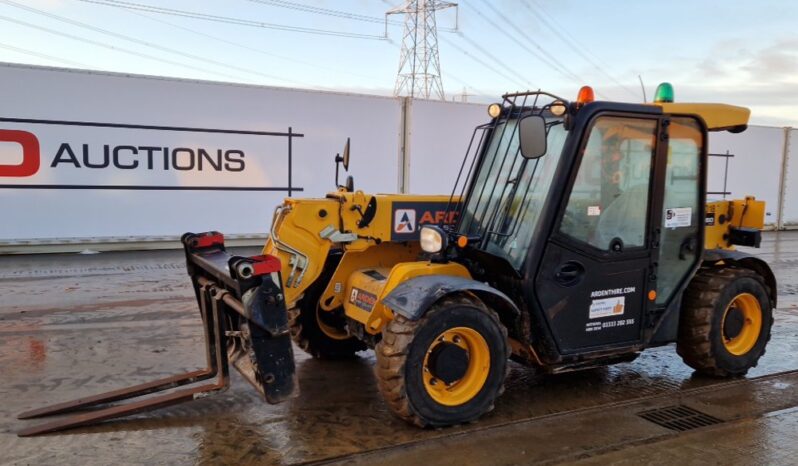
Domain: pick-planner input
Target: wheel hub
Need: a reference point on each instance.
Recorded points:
(456, 366)
(733, 324)
(741, 324)
(448, 362)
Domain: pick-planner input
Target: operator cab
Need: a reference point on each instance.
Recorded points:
(590, 213)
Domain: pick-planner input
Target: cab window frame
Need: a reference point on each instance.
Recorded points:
(676, 295)
(577, 244)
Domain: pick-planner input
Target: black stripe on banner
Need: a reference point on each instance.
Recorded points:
(156, 128)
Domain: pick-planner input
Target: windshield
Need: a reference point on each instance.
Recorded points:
(509, 191)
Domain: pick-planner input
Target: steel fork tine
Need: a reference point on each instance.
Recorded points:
(217, 361)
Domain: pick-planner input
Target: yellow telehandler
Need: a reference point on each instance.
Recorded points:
(577, 234)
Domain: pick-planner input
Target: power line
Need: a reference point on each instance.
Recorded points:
(572, 43)
(42, 55)
(116, 48)
(482, 62)
(335, 13)
(522, 79)
(228, 20)
(244, 46)
(325, 11)
(562, 32)
(140, 42)
(540, 54)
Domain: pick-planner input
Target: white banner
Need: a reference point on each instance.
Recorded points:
(86, 155)
(99, 155)
(46, 154)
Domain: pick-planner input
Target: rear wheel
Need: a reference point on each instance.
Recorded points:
(726, 321)
(322, 334)
(447, 367)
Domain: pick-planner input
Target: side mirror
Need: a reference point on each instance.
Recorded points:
(532, 133)
(342, 160)
(345, 158)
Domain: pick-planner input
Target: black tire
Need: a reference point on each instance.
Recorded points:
(701, 333)
(307, 333)
(401, 357)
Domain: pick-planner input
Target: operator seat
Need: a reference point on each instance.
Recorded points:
(624, 218)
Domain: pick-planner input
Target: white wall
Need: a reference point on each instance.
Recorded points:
(754, 169)
(439, 133)
(325, 119)
(791, 182)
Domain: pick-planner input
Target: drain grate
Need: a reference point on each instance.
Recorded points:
(679, 418)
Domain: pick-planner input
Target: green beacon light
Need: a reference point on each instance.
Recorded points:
(664, 93)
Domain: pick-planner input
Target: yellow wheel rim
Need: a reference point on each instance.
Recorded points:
(331, 331)
(748, 309)
(464, 389)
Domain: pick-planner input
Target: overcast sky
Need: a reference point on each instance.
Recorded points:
(734, 51)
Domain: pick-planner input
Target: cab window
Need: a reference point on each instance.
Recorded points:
(681, 216)
(608, 204)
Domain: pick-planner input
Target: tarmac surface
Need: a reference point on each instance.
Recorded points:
(75, 325)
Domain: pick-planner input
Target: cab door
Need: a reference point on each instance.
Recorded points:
(597, 277)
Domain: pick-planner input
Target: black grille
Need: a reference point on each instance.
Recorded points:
(679, 418)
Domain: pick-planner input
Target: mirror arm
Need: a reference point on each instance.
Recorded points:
(337, 163)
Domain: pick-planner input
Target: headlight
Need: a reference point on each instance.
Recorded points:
(433, 239)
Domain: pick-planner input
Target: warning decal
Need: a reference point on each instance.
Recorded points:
(363, 299)
(607, 307)
(678, 217)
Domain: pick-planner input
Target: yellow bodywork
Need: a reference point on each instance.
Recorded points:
(381, 256)
(302, 252)
(367, 288)
(739, 213)
(718, 117)
(306, 231)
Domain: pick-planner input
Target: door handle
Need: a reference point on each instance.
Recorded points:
(569, 273)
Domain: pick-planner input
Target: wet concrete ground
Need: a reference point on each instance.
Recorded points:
(74, 325)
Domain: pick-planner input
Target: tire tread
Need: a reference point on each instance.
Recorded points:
(392, 353)
(698, 308)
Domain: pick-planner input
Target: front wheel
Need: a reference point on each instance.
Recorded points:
(447, 367)
(725, 323)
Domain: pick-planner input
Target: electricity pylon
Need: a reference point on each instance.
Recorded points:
(419, 63)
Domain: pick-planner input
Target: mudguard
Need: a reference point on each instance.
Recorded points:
(745, 260)
(412, 298)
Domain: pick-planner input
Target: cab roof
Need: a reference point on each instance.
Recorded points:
(718, 117)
